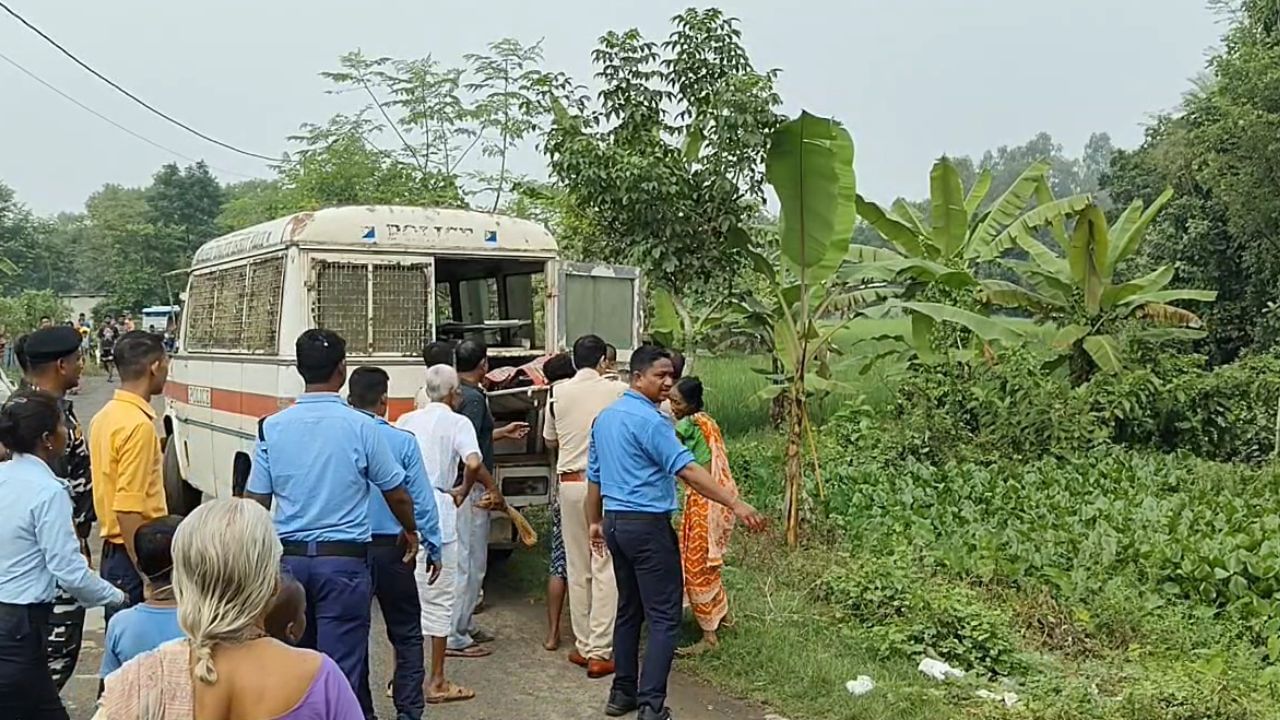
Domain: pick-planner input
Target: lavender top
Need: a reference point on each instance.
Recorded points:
(329, 697)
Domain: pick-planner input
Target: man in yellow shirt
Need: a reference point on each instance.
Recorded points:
(128, 485)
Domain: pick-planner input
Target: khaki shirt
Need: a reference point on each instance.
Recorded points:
(574, 405)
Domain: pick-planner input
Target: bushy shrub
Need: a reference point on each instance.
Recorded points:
(1009, 408)
(1203, 531)
(907, 612)
(1229, 414)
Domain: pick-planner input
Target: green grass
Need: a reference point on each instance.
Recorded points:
(789, 652)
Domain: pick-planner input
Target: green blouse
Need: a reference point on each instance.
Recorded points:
(691, 437)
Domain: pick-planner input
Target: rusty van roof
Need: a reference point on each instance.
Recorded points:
(388, 227)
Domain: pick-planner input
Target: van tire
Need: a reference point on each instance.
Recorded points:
(179, 496)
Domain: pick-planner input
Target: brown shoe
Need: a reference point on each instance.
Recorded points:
(576, 658)
(599, 668)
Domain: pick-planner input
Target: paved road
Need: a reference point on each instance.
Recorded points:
(520, 678)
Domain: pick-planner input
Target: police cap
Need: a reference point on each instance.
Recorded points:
(52, 343)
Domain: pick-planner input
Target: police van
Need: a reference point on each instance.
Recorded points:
(387, 279)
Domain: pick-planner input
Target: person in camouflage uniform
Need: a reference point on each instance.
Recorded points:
(51, 363)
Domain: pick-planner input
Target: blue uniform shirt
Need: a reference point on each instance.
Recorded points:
(405, 448)
(317, 462)
(38, 546)
(139, 629)
(634, 456)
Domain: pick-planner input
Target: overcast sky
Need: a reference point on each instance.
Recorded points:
(911, 78)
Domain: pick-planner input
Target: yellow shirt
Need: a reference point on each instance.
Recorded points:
(574, 405)
(127, 474)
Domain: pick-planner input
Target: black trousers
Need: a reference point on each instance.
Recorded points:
(27, 690)
(118, 570)
(397, 594)
(646, 564)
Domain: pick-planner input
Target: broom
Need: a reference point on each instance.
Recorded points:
(528, 536)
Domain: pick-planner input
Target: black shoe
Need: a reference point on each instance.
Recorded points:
(648, 713)
(619, 704)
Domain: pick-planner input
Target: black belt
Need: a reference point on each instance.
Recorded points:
(37, 614)
(327, 549)
(628, 515)
(385, 541)
(32, 607)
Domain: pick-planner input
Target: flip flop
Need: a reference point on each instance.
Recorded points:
(452, 693)
(473, 651)
(482, 637)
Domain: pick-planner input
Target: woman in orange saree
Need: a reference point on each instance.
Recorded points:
(705, 527)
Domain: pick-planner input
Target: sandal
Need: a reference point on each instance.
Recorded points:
(482, 637)
(452, 693)
(472, 651)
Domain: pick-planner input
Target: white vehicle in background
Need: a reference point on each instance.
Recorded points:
(388, 279)
(159, 318)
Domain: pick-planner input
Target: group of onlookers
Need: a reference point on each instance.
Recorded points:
(360, 509)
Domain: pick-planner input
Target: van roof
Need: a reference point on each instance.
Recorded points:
(385, 226)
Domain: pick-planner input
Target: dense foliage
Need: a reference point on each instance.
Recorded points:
(668, 160)
(1218, 153)
(1062, 541)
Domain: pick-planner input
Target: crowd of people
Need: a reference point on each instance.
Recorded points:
(260, 606)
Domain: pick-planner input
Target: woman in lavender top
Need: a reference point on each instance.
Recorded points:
(226, 574)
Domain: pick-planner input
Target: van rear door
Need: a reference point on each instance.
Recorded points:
(600, 299)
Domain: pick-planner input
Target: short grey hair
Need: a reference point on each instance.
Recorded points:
(442, 380)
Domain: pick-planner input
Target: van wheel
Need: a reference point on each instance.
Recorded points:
(179, 496)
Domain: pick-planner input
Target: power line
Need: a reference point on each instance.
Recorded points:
(113, 123)
(130, 95)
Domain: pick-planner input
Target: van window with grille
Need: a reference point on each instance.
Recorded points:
(378, 308)
(235, 309)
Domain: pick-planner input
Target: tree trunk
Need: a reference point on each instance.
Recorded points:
(794, 463)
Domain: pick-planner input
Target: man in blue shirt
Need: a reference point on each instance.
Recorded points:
(632, 463)
(317, 460)
(393, 580)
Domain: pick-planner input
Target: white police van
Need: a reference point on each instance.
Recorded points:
(387, 279)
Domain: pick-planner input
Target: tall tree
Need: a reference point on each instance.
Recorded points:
(187, 200)
(509, 84)
(1219, 155)
(667, 161)
(137, 251)
(254, 201)
(27, 261)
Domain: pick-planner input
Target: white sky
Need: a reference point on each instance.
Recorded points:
(911, 78)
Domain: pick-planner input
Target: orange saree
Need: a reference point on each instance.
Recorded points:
(706, 526)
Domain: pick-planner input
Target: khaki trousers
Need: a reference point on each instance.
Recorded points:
(593, 593)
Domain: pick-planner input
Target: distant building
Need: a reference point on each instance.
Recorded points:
(80, 303)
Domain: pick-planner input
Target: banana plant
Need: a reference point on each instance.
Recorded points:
(1078, 291)
(809, 164)
(946, 251)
